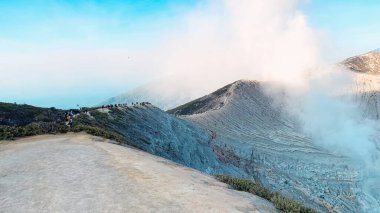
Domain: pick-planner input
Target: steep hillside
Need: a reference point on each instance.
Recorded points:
(252, 132)
(155, 131)
(213, 101)
(241, 131)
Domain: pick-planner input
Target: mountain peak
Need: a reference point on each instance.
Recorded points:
(213, 101)
(368, 63)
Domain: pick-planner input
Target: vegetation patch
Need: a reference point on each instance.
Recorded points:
(22, 114)
(21, 120)
(96, 131)
(280, 202)
(13, 132)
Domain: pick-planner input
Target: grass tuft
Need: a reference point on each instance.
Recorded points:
(280, 202)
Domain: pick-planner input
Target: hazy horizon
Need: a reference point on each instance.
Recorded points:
(66, 53)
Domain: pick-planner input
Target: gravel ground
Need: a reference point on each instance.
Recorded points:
(82, 173)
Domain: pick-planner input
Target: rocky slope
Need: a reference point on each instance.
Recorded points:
(157, 132)
(82, 173)
(251, 131)
(250, 135)
(367, 63)
(240, 131)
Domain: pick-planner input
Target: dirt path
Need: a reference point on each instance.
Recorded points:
(78, 173)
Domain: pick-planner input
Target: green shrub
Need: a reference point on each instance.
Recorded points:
(13, 132)
(22, 115)
(96, 131)
(280, 202)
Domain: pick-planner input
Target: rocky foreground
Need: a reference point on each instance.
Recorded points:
(82, 173)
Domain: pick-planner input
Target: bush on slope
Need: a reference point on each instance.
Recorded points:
(24, 120)
(280, 202)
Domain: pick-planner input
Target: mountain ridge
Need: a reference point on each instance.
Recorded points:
(161, 93)
(368, 63)
(250, 136)
(243, 131)
(212, 101)
(253, 131)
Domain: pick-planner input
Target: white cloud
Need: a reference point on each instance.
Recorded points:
(230, 40)
(217, 43)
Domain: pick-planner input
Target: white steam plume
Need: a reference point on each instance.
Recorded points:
(271, 41)
(331, 117)
(228, 40)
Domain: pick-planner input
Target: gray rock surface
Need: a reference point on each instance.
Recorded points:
(253, 133)
(367, 63)
(80, 173)
(241, 131)
(157, 132)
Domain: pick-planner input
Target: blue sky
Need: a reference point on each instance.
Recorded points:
(352, 26)
(49, 21)
(31, 30)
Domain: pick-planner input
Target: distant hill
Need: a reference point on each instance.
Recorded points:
(170, 93)
(20, 115)
(165, 94)
(368, 63)
(25, 120)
